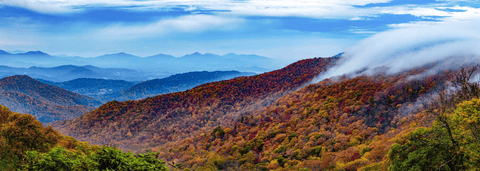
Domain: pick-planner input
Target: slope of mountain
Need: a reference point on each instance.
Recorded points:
(47, 103)
(342, 124)
(92, 87)
(4, 52)
(138, 125)
(174, 83)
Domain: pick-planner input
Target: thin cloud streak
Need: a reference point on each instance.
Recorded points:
(190, 24)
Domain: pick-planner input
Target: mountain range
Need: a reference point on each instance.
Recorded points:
(120, 90)
(161, 65)
(174, 83)
(69, 72)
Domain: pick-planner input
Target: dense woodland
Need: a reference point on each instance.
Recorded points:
(344, 124)
(26, 145)
(148, 123)
(404, 121)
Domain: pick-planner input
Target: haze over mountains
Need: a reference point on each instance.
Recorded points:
(174, 83)
(158, 65)
(108, 90)
(70, 72)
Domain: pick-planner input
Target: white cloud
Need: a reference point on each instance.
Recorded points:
(470, 15)
(190, 24)
(336, 9)
(406, 48)
(415, 11)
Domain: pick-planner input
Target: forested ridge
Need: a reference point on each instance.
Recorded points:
(343, 124)
(148, 123)
(46, 102)
(406, 121)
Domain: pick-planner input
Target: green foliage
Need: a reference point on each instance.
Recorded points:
(104, 158)
(364, 150)
(280, 149)
(436, 149)
(26, 145)
(426, 149)
(291, 136)
(218, 131)
(316, 151)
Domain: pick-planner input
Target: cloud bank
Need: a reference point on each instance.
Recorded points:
(451, 44)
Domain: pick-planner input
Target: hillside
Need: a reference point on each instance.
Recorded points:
(137, 125)
(342, 124)
(47, 103)
(174, 83)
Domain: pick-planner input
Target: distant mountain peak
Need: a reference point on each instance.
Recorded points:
(38, 53)
(339, 55)
(196, 53)
(121, 54)
(3, 52)
(15, 79)
(21, 77)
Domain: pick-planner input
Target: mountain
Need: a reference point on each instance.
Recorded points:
(344, 123)
(3, 52)
(47, 103)
(174, 83)
(92, 87)
(147, 123)
(34, 53)
(81, 72)
(162, 56)
(70, 72)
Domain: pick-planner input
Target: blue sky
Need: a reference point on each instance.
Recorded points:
(278, 29)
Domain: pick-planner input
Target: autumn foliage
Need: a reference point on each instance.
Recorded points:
(266, 122)
(344, 124)
(26, 145)
(151, 122)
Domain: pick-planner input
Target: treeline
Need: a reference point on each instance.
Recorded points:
(26, 145)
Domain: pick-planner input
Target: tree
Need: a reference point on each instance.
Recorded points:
(452, 141)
